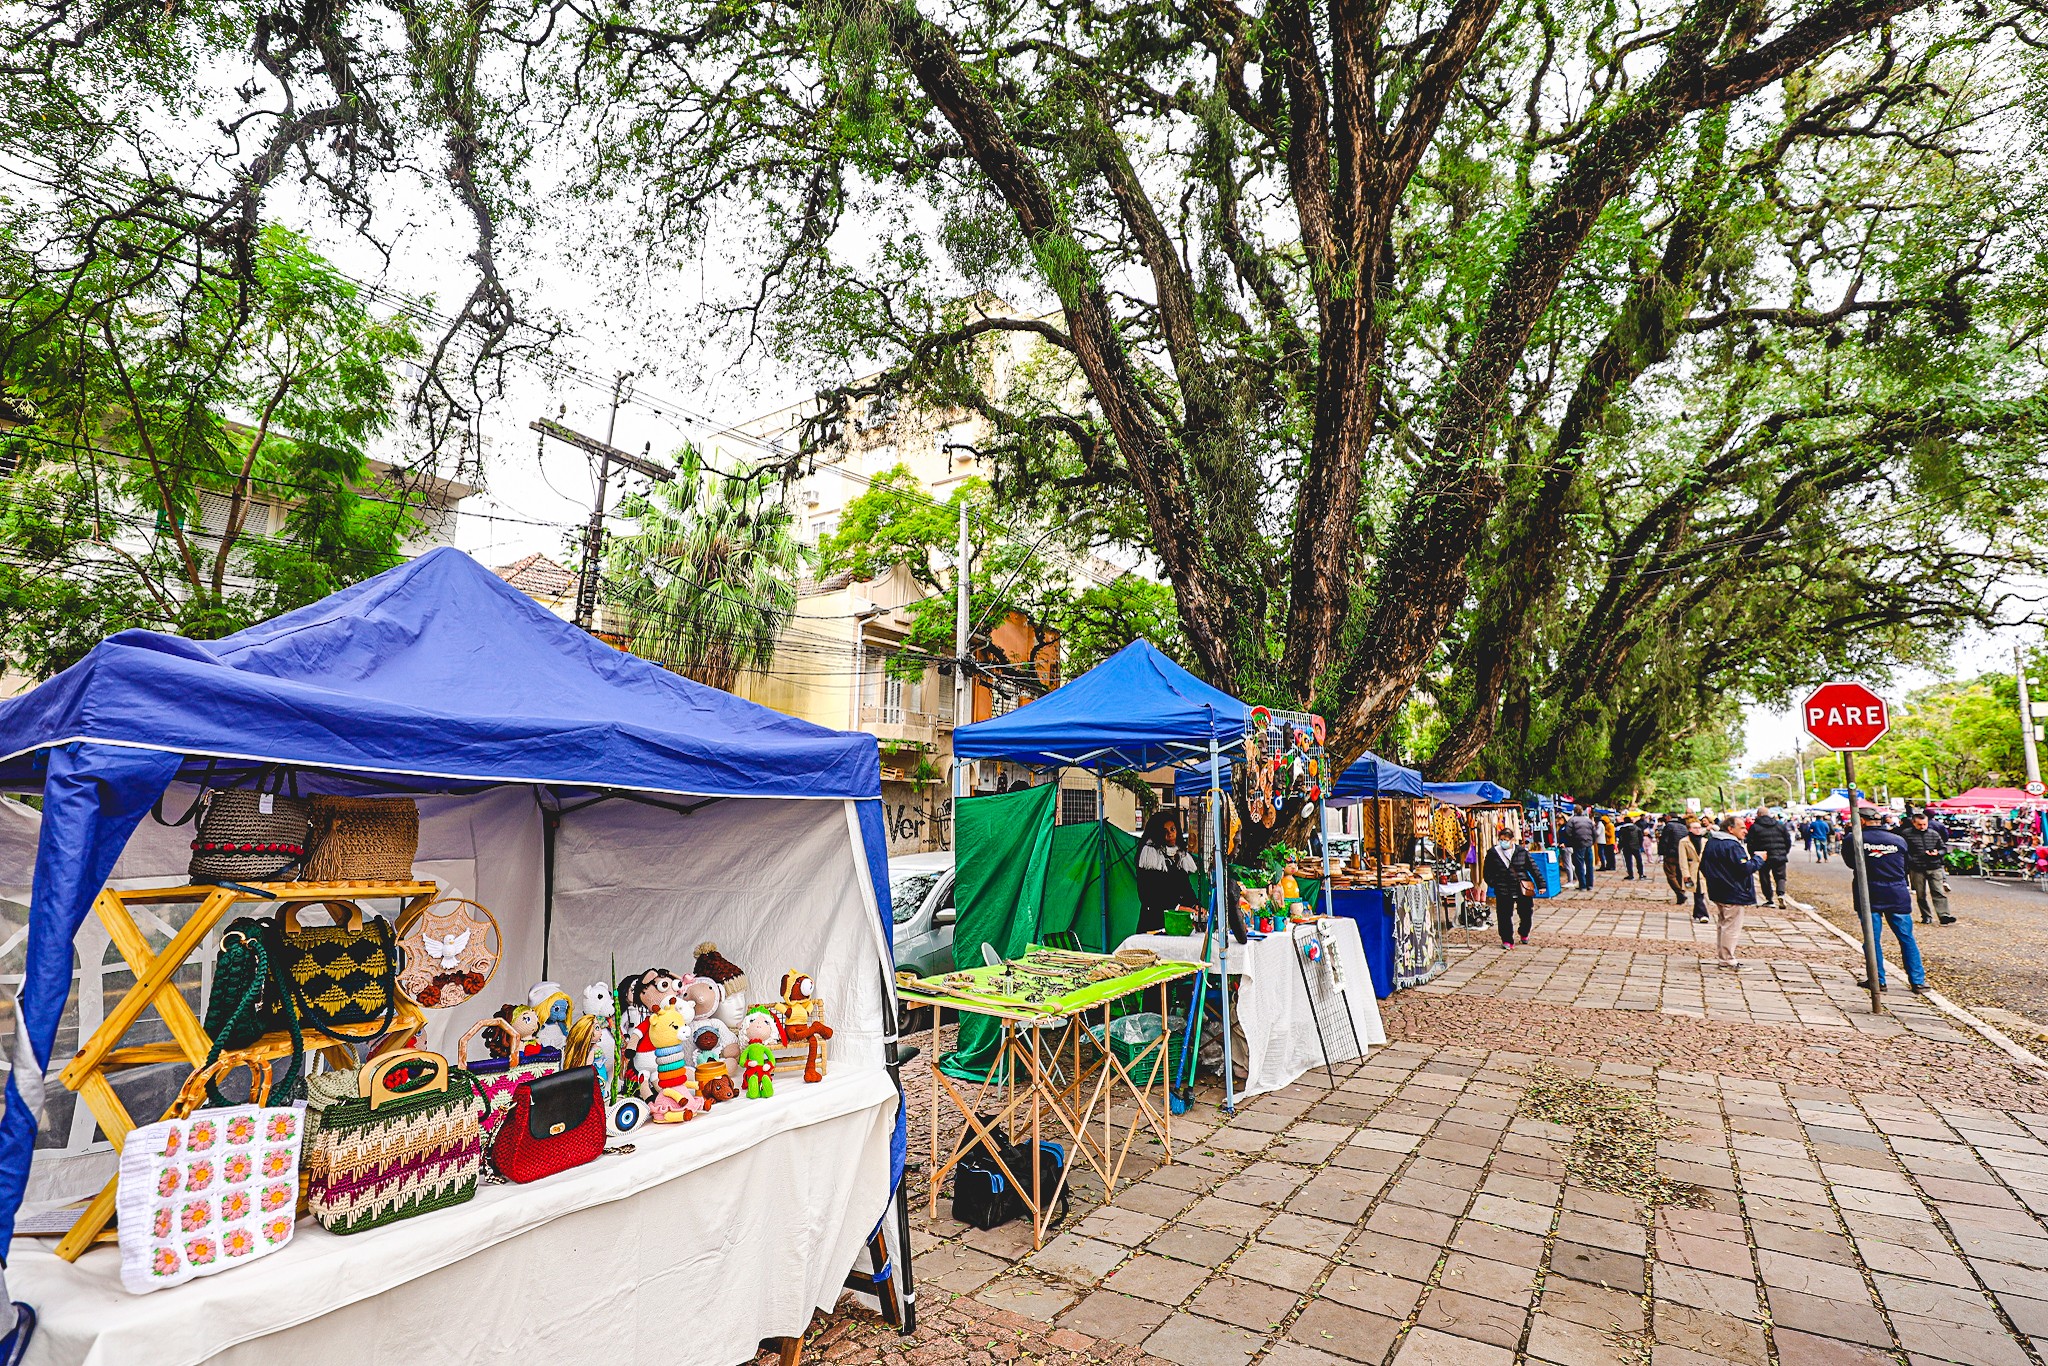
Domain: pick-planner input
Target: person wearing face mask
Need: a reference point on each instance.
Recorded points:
(1166, 873)
(1689, 850)
(1510, 874)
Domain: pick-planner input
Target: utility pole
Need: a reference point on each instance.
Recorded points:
(1799, 766)
(2019, 670)
(608, 455)
(961, 694)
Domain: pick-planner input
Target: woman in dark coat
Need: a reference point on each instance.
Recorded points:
(1166, 873)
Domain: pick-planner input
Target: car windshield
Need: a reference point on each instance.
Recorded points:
(908, 891)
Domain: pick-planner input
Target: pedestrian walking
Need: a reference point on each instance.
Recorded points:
(1577, 834)
(1823, 832)
(1603, 831)
(1630, 838)
(1689, 851)
(1891, 899)
(1510, 874)
(1668, 840)
(1768, 836)
(1727, 867)
(1927, 867)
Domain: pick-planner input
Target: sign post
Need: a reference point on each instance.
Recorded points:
(1846, 717)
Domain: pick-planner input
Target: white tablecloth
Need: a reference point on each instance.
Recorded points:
(1277, 1016)
(709, 1237)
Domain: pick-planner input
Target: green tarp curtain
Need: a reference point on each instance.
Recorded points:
(1002, 847)
(1023, 880)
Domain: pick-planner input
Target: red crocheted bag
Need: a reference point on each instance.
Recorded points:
(557, 1122)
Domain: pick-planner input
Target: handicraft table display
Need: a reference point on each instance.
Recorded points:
(1051, 991)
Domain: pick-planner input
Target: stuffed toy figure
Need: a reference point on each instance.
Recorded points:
(757, 1058)
(663, 1057)
(640, 996)
(593, 1038)
(733, 982)
(525, 1022)
(705, 997)
(714, 1077)
(554, 1007)
(799, 1003)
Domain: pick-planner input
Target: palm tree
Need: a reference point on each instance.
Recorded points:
(707, 583)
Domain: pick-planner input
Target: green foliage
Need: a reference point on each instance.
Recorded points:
(706, 583)
(1074, 618)
(172, 421)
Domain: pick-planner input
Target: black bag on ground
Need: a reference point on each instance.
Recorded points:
(981, 1191)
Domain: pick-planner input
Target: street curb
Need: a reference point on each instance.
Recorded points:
(1989, 1032)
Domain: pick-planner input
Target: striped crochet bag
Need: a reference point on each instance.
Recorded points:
(406, 1138)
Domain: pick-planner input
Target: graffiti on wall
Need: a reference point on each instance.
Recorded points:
(917, 819)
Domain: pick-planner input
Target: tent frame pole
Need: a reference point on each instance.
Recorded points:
(1102, 857)
(1219, 924)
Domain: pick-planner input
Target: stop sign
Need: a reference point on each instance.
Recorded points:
(1845, 716)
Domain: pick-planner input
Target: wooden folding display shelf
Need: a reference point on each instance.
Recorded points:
(155, 985)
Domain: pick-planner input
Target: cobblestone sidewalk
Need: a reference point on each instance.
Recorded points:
(1856, 1189)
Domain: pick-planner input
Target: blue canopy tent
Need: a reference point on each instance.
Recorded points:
(438, 679)
(1371, 777)
(1136, 710)
(1481, 793)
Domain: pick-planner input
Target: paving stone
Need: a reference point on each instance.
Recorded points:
(1157, 1278)
(1810, 1277)
(1711, 1334)
(1214, 1212)
(1285, 1353)
(1829, 1318)
(1071, 1258)
(1119, 1318)
(1122, 1227)
(1255, 1190)
(1026, 1295)
(1957, 1304)
(1804, 1349)
(1471, 1316)
(1597, 1265)
(1247, 1304)
(1394, 1256)
(1161, 1202)
(1704, 1290)
(1011, 1241)
(1500, 1281)
(1576, 1227)
(1428, 1347)
(1202, 1246)
(1344, 1331)
(1498, 1244)
(1190, 1341)
(1281, 1266)
(959, 1269)
(1972, 1345)
(1566, 1342)
(1515, 1214)
(1320, 1236)
(1593, 1305)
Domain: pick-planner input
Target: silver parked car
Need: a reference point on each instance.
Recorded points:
(921, 889)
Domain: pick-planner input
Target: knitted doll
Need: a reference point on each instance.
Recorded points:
(663, 1057)
(553, 1004)
(799, 1004)
(758, 1056)
(714, 1077)
(722, 970)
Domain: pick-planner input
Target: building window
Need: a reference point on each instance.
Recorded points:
(1077, 806)
(1002, 701)
(892, 700)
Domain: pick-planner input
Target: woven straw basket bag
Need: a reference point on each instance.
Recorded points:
(363, 839)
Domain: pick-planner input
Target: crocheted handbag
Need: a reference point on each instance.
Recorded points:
(411, 1140)
(246, 836)
(203, 1190)
(339, 975)
(499, 1078)
(555, 1123)
(363, 839)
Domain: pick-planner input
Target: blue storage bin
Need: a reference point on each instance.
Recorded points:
(1366, 907)
(1549, 875)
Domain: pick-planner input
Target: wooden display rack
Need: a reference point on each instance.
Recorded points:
(87, 1074)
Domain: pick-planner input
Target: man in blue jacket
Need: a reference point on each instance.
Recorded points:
(1891, 898)
(1729, 870)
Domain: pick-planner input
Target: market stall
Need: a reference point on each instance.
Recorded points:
(1479, 811)
(1136, 711)
(1395, 891)
(600, 814)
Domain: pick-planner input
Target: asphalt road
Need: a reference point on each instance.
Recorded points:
(1995, 956)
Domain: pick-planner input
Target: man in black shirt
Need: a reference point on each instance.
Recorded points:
(1510, 874)
(1927, 867)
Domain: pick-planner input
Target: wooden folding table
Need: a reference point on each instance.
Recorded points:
(1035, 1082)
(155, 986)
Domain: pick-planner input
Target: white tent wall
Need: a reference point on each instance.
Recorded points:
(775, 883)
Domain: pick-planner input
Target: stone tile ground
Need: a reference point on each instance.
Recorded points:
(1870, 1189)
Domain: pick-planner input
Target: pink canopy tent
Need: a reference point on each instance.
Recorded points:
(1989, 799)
